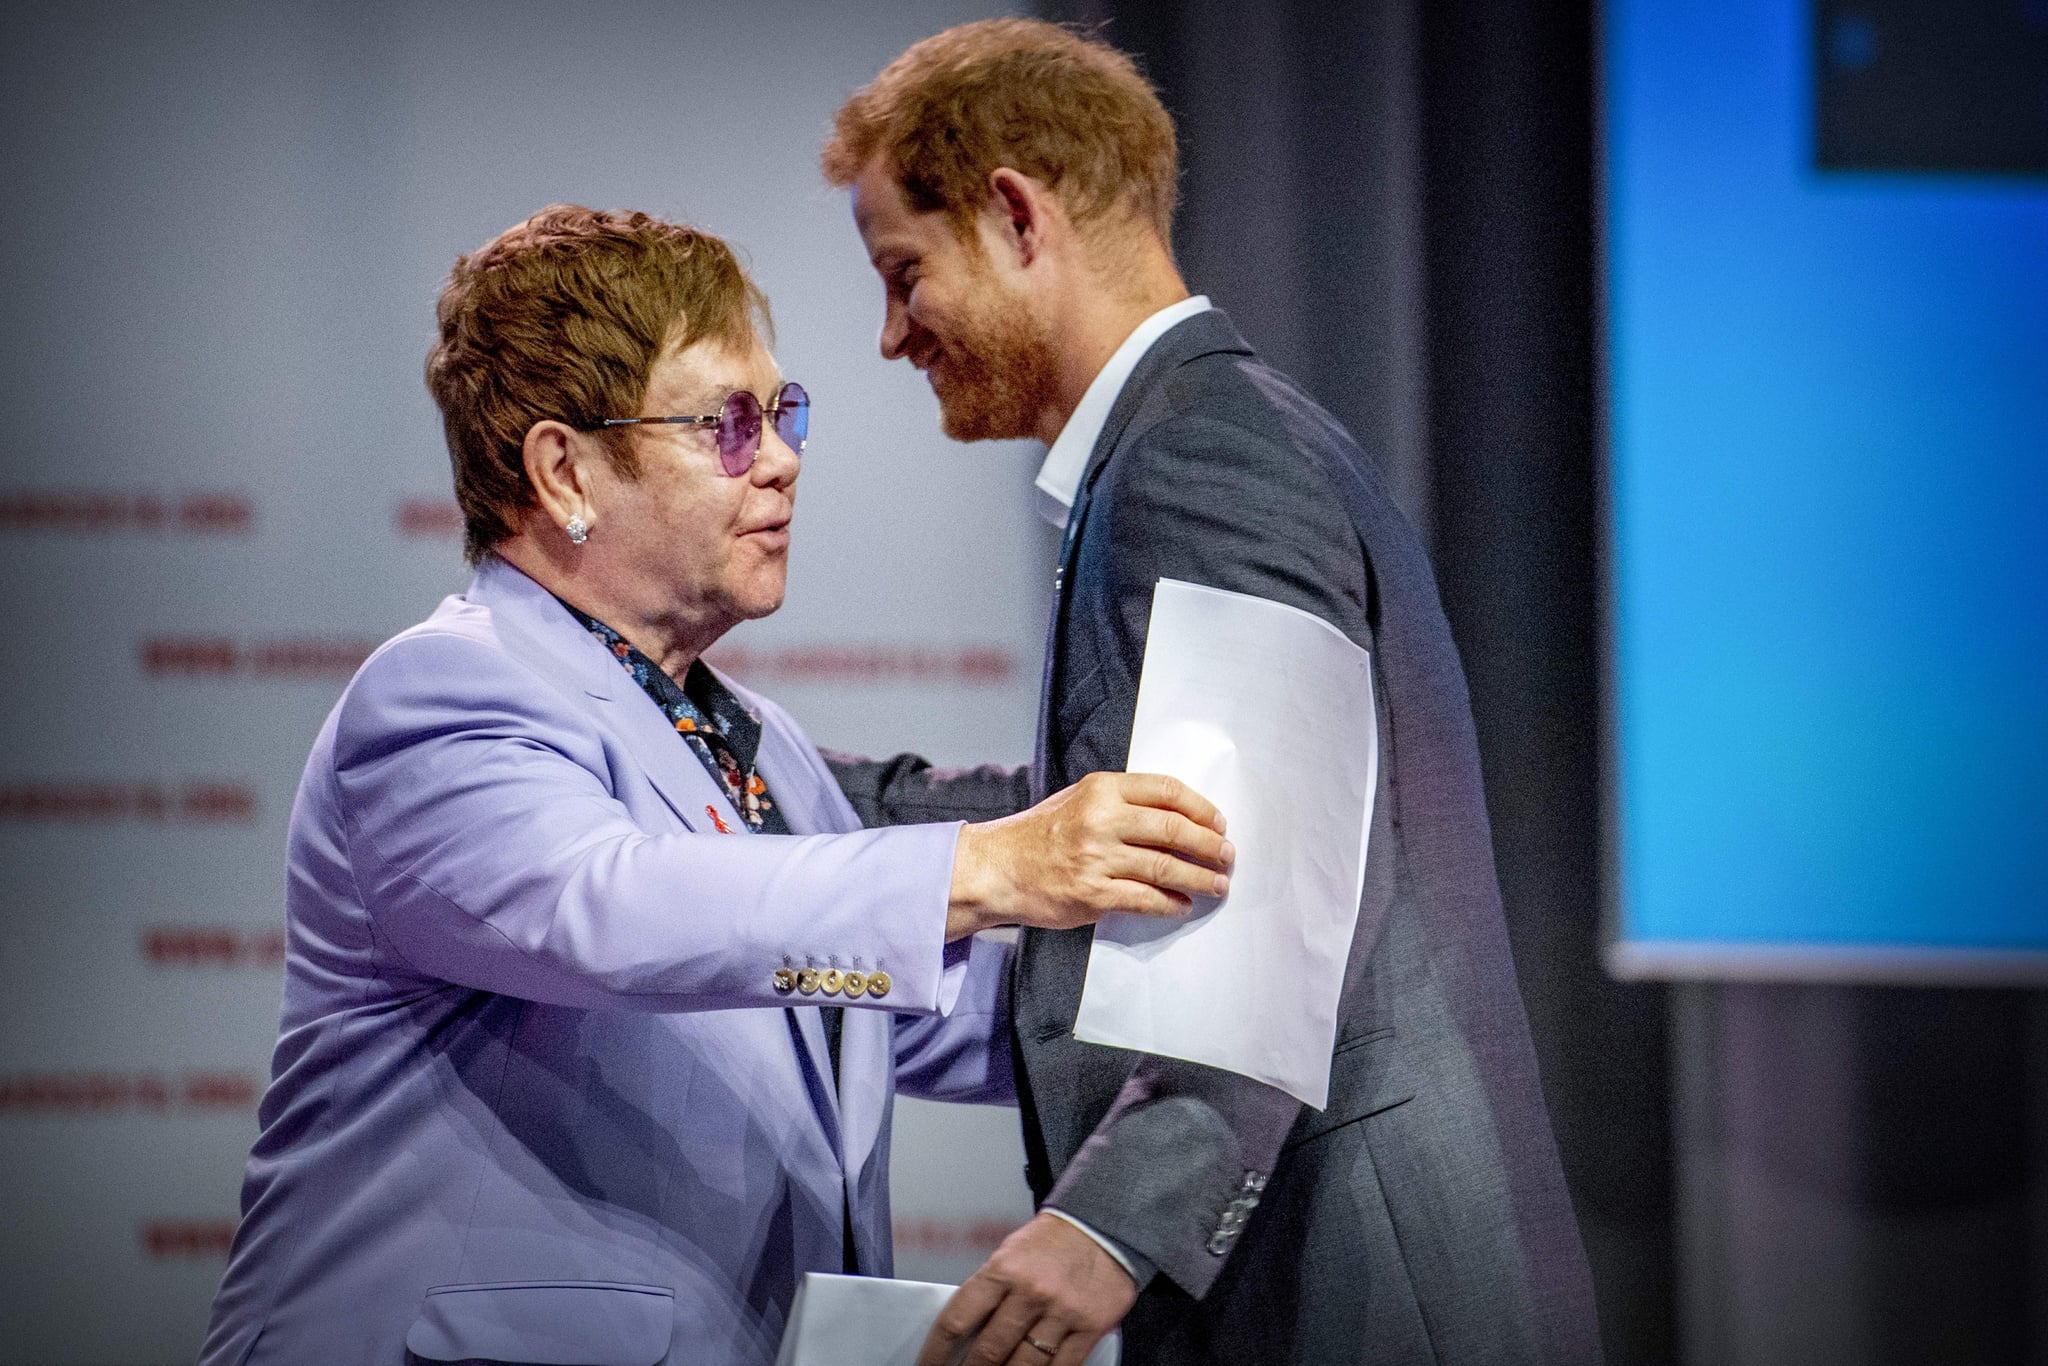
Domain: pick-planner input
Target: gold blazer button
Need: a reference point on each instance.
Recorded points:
(878, 984)
(832, 981)
(807, 981)
(856, 983)
(785, 980)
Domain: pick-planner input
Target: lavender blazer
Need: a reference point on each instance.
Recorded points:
(535, 1096)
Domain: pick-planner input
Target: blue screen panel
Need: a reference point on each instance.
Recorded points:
(1827, 328)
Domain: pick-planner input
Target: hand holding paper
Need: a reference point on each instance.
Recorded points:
(1050, 1291)
(869, 1321)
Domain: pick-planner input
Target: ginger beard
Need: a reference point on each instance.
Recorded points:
(993, 372)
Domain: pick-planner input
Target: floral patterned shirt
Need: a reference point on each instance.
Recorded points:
(717, 726)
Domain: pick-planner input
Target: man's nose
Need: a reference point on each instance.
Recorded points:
(776, 463)
(896, 332)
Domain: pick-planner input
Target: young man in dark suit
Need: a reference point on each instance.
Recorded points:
(1014, 185)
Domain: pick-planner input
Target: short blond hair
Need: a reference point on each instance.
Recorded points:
(563, 316)
(1064, 109)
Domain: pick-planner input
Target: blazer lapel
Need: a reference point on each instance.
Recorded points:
(698, 800)
(1206, 333)
(536, 628)
(807, 1035)
(866, 1040)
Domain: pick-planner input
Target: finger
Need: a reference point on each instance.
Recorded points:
(1156, 789)
(1047, 1331)
(969, 1308)
(1003, 1335)
(1139, 898)
(1165, 872)
(1169, 830)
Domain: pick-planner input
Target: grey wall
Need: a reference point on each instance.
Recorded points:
(225, 228)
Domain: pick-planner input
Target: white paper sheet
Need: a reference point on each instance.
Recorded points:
(1267, 711)
(867, 1321)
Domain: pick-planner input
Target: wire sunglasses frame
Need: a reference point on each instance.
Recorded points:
(739, 424)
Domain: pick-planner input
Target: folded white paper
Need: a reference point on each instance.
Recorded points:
(1267, 711)
(867, 1321)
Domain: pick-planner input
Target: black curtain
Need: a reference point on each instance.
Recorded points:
(1507, 95)
(1397, 202)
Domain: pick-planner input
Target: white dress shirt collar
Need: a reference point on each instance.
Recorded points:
(1059, 478)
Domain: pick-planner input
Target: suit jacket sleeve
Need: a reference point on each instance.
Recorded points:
(489, 851)
(907, 790)
(1216, 504)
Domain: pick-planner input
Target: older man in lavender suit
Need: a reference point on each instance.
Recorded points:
(596, 996)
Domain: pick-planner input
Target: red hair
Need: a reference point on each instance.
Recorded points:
(1068, 111)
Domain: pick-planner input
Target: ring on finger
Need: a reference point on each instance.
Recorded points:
(1049, 1351)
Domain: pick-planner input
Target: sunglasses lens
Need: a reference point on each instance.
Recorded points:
(739, 432)
(793, 416)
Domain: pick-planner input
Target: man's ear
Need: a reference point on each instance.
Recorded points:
(1022, 212)
(554, 455)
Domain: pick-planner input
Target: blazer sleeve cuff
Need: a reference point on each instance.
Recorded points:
(896, 940)
(1158, 1181)
(940, 973)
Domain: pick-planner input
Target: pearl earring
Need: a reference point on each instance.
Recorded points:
(578, 529)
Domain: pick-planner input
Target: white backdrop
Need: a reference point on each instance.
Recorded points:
(224, 481)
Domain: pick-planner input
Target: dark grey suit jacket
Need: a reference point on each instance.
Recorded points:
(1422, 1216)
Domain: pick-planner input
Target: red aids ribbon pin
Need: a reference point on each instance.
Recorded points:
(717, 819)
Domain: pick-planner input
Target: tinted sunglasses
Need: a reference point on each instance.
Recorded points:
(739, 424)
